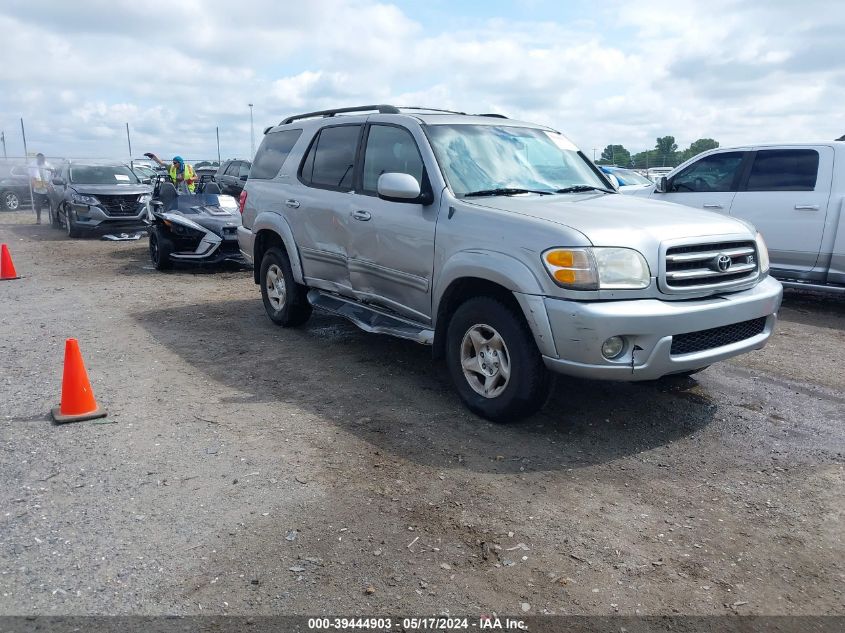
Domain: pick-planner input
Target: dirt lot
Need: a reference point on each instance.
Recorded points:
(247, 469)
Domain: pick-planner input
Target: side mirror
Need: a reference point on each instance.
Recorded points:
(613, 180)
(147, 181)
(58, 181)
(661, 185)
(396, 187)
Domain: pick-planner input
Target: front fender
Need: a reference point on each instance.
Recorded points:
(268, 221)
(500, 268)
(509, 273)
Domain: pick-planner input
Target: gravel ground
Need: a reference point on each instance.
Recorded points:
(247, 469)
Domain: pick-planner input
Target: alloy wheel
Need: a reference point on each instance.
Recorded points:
(485, 361)
(275, 284)
(11, 201)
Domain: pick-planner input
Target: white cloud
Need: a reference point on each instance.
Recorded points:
(622, 72)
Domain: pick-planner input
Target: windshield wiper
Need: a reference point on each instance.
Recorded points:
(580, 188)
(504, 191)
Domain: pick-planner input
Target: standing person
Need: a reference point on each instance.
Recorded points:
(39, 176)
(180, 172)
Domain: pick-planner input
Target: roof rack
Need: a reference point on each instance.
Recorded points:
(382, 109)
(429, 109)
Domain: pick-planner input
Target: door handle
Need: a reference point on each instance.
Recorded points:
(361, 215)
(807, 207)
(712, 206)
(293, 204)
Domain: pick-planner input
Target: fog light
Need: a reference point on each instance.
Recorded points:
(612, 347)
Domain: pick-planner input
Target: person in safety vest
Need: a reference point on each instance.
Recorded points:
(180, 172)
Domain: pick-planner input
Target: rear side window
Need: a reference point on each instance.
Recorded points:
(712, 173)
(272, 152)
(784, 170)
(390, 149)
(330, 162)
(243, 169)
(232, 169)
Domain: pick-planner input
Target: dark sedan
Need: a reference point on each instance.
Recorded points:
(14, 188)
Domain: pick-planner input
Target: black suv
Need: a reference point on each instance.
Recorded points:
(232, 176)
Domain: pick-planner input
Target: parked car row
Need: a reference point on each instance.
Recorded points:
(497, 242)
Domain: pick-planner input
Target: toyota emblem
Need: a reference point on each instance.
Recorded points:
(723, 262)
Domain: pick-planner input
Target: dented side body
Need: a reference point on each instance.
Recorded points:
(407, 259)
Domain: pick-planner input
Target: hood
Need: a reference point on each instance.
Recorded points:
(617, 220)
(210, 211)
(111, 190)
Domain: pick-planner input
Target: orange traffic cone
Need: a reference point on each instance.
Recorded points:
(77, 398)
(7, 268)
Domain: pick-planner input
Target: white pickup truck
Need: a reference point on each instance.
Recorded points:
(793, 193)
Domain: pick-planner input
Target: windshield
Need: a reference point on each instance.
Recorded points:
(478, 158)
(102, 175)
(629, 177)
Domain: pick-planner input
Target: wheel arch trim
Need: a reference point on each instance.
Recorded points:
(273, 222)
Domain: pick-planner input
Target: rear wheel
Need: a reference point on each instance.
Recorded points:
(285, 301)
(494, 362)
(11, 201)
(160, 248)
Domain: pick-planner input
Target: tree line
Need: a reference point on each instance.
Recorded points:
(664, 154)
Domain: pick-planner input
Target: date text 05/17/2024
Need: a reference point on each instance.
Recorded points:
(482, 623)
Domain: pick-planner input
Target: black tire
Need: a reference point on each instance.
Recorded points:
(70, 224)
(10, 201)
(527, 388)
(161, 247)
(293, 309)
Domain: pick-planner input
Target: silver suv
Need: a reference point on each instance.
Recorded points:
(498, 243)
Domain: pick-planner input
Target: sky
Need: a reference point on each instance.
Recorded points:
(622, 72)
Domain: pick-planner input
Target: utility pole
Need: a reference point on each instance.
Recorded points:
(251, 135)
(594, 154)
(129, 142)
(217, 129)
(3, 140)
(23, 134)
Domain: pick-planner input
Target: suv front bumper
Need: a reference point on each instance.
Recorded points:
(648, 325)
(91, 218)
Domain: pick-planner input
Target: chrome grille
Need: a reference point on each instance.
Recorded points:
(120, 205)
(705, 266)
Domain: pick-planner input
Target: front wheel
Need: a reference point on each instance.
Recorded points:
(493, 361)
(54, 216)
(160, 248)
(285, 301)
(70, 223)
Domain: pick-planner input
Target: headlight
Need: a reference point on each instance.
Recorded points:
(78, 198)
(597, 268)
(762, 254)
(144, 199)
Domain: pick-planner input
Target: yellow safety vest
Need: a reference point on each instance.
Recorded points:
(189, 175)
